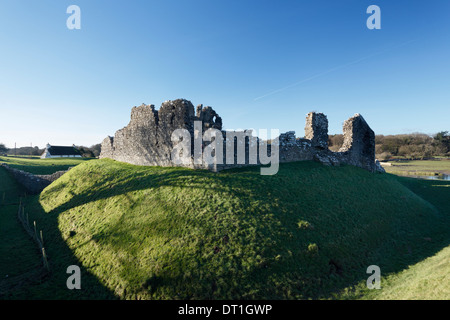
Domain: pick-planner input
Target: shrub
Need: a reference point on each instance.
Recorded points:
(313, 248)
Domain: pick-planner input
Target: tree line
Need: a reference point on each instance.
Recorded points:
(410, 146)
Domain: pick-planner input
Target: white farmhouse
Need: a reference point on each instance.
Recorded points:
(60, 152)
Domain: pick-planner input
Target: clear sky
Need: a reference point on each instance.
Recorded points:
(259, 64)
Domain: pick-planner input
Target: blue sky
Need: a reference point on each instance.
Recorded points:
(260, 64)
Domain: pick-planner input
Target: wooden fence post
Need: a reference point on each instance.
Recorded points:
(42, 240)
(35, 232)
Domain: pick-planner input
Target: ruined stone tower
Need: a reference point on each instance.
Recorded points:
(147, 138)
(316, 130)
(359, 143)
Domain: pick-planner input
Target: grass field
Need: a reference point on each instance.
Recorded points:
(308, 232)
(419, 167)
(42, 166)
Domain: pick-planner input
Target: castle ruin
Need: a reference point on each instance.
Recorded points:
(147, 140)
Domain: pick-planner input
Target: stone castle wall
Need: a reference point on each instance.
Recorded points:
(146, 140)
(33, 184)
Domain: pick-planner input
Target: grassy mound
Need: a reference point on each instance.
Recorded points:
(173, 233)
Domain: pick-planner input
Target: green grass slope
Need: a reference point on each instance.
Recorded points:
(42, 166)
(310, 231)
(428, 279)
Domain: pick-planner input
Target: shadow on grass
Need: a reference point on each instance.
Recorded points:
(332, 270)
(27, 281)
(60, 257)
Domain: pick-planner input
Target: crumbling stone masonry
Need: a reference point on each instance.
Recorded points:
(33, 184)
(358, 148)
(316, 130)
(146, 140)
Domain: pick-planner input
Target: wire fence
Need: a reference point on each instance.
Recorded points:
(32, 231)
(36, 275)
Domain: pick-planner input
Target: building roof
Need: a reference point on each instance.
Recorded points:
(63, 151)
